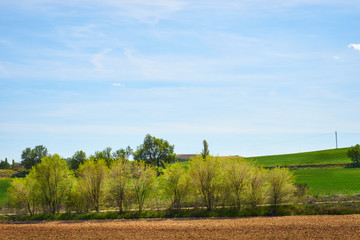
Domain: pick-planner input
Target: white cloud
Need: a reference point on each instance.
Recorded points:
(148, 67)
(355, 46)
(336, 57)
(97, 59)
(117, 84)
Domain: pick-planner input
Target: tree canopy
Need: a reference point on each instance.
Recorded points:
(30, 157)
(205, 152)
(78, 158)
(155, 151)
(354, 153)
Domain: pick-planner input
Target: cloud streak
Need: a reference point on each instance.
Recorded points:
(98, 59)
(355, 46)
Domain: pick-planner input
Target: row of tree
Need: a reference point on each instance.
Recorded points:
(208, 181)
(154, 151)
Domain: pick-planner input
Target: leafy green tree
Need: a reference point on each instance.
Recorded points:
(78, 158)
(53, 180)
(31, 157)
(176, 184)
(76, 199)
(236, 178)
(119, 182)
(5, 164)
(255, 192)
(27, 158)
(92, 179)
(105, 155)
(205, 152)
(206, 176)
(23, 194)
(155, 151)
(123, 153)
(143, 180)
(354, 153)
(281, 186)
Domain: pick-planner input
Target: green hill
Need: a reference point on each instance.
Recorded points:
(331, 156)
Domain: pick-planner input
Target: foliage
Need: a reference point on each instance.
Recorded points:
(53, 181)
(155, 151)
(78, 158)
(123, 153)
(205, 182)
(205, 152)
(4, 185)
(5, 164)
(354, 154)
(92, 176)
(206, 178)
(119, 182)
(236, 179)
(281, 185)
(105, 155)
(143, 180)
(77, 199)
(30, 157)
(255, 192)
(23, 194)
(176, 184)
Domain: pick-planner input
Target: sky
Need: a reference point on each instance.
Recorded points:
(252, 77)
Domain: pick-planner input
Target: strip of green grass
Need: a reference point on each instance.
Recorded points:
(328, 181)
(332, 156)
(284, 210)
(4, 184)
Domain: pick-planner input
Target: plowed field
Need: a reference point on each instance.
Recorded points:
(291, 227)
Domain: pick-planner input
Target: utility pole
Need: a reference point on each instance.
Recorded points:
(336, 139)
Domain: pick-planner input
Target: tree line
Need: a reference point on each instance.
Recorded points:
(153, 151)
(153, 182)
(108, 179)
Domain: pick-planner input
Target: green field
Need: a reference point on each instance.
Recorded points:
(327, 181)
(4, 184)
(332, 156)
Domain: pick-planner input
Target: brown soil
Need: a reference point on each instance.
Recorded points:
(291, 227)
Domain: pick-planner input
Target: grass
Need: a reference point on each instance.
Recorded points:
(284, 210)
(4, 184)
(328, 181)
(7, 173)
(331, 156)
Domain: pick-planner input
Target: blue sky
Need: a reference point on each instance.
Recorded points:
(252, 77)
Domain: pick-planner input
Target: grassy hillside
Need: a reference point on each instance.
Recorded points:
(328, 181)
(332, 156)
(7, 173)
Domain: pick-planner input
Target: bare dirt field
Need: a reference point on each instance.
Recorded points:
(290, 227)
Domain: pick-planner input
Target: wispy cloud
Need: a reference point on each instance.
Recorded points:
(355, 46)
(140, 10)
(97, 59)
(117, 85)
